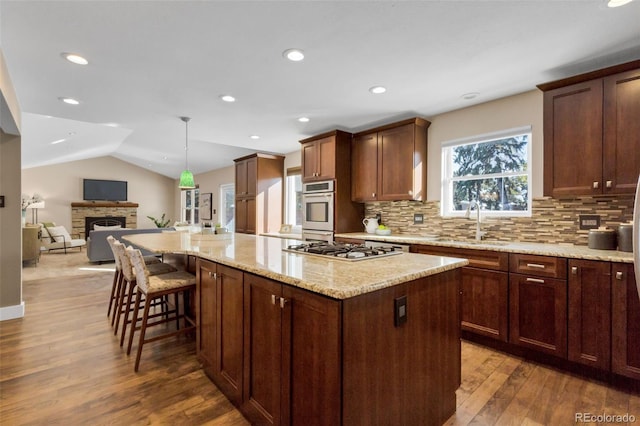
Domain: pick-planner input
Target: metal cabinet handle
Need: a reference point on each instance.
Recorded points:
(410, 192)
(574, 270)
(609, 184)
(273, 299)
(373, 194)
(535, 280)
(619, 275)
(213, 275)
(283, 302)
(535, 265)
(596, 185)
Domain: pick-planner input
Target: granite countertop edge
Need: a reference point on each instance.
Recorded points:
(558, 250)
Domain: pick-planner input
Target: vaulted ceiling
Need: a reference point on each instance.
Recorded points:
(151, 62)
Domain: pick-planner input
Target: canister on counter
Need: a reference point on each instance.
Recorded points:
(625, 237)
(602, 239)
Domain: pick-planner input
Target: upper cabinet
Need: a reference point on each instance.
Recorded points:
(322, 155)
(592, 132)
(259, 186)
(390, 162)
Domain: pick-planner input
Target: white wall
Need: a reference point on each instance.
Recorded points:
(61, 184)
(506, 113)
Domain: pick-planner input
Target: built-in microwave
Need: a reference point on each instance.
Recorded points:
(318, 206)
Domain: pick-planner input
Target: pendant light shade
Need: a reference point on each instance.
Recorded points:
(186, 177)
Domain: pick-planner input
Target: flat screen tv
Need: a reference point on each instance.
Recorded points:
(104, 190)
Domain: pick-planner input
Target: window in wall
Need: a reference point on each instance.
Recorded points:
(492, 169)
(227, 206)
(189, 203)
(293, 199)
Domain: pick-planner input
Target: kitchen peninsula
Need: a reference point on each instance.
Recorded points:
(298, 339)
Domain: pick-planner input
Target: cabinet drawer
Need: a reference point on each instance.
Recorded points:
(540, 266)
(484, 259)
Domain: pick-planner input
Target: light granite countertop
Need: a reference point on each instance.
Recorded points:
(559, 250)
(264, 256)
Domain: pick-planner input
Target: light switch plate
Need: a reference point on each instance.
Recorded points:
(589, 221)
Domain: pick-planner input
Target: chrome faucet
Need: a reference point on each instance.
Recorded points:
(472, 204)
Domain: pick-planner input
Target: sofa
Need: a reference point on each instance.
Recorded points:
(98, 249)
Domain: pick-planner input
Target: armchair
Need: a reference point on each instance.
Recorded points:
(58, 238)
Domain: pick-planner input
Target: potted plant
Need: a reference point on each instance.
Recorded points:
(160, 223)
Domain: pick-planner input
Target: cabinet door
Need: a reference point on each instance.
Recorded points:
(326, 149)
(625, 317)
(573, 135)
(241, 178)
(364, 167)
(251, 217)
(538, 317)
(484, 308)
(263, 383)
(589, 322)
(229, 332)
(396, 163)
(621, 132)
(310, 160)
(241, 215)
(206, 314)
(252, 176)
(312, 359)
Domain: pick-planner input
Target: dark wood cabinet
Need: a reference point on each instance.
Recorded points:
(484, 288)
(319, 158)
(219, 299)
(292, 355)
(538, 317)
(589, 308)
(389, 163)
(259, 193)
(625, 321)
(592, 122)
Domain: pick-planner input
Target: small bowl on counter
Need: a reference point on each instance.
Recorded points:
(383, 231)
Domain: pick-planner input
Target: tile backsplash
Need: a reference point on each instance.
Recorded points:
(552, 220)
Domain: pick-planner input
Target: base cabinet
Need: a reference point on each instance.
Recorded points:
(589, 308)
(625, 321)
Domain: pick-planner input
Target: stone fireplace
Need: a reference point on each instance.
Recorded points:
(104, 210)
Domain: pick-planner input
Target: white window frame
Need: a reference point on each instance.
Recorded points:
(446, 207)
(183, 205)
(290, 210)
(222, 212)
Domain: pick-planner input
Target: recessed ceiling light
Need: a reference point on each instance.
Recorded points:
(303, 119)
(58, 141)
(112, 124)
(616, 3)
(165, 157)
(470, 95)
(69, 101)
(228, 98)
(295, 55)
(76, 59)
(254, 137)
(72, 133)
(376, 90)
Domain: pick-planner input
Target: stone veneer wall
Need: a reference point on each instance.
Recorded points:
(552, 220)
(81, 210)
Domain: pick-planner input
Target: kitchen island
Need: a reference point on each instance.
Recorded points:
(298, 339)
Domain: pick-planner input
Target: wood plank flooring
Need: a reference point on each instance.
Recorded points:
(61, 364)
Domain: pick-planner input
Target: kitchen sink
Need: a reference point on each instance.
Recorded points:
(472, 242)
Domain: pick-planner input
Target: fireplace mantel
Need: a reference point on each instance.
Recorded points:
(104, 204)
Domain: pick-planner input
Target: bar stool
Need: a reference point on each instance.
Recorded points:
(128, 283)
(117, 276)
(153, 287)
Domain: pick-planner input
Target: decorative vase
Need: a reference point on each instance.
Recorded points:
(24, 218)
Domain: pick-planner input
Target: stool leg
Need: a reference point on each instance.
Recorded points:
(134, 321)
(127, 309)
(143, 329)
(120, 304)
(177, 302)
(116, 277)
(117, 297)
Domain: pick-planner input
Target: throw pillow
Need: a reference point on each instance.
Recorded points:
(59, 234)
(102, 227)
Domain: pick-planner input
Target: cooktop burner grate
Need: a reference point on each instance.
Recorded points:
(344, 251)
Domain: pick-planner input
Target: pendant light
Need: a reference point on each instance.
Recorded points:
(186, 178)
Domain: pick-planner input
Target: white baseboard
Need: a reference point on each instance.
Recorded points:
(12, 312)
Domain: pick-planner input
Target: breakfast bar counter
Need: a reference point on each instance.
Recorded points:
(264, 256)
(300, 339)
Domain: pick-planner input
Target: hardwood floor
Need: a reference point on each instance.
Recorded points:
(61, 364)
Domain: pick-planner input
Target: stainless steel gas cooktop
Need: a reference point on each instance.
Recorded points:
(344, 251)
